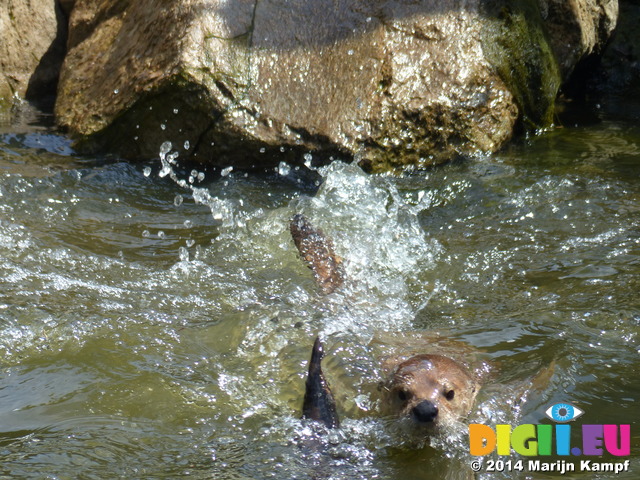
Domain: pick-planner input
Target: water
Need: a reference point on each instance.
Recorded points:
(156, 323)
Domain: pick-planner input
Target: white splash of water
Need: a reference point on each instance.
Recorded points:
(222, 210)
(384, 249)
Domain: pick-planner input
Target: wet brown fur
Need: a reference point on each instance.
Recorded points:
(316, 249)
(319, 404)
(446, 387)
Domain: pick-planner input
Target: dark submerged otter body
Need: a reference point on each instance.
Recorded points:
(319, 404)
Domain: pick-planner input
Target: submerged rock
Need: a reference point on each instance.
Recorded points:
(31, 51)
(391, 83)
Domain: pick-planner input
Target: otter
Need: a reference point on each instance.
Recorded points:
(430, 389)
(316, 249)
(319, 404)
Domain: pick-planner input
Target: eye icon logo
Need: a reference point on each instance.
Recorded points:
(563, 412)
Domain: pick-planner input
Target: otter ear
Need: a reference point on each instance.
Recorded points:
(390, 364)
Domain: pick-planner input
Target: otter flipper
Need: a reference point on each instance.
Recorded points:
(319, 404)
(317, 250)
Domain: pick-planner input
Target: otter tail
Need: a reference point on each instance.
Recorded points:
(319, 404)
(317, 250)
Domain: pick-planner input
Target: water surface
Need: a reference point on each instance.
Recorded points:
(156, 322)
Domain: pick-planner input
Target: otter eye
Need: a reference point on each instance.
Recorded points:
(403, 395)
(449, 395)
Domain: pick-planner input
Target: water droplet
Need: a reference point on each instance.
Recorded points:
(184, 254)
(161, 234)
(177, 201)
(146, 234)
(165, 148)
(146, 171)
(116, 91)
(283, 169)
(163, 126)
(188, 223)
(172, 157)
(175, 111)
(187, 145)
(262, 150)
(226, 171)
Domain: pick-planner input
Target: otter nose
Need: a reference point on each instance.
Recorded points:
(425, 411)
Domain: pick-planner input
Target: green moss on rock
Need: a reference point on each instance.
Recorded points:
(517, 45)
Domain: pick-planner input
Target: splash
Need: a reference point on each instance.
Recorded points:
(223, 210)
(376, 231)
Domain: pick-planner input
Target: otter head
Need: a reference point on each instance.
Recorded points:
(432, 390)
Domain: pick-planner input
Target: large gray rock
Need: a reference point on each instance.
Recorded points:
(578, 28)
(31, 50)
(618, 75)
(389, 82)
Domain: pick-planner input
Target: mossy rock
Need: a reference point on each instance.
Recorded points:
(517, 44)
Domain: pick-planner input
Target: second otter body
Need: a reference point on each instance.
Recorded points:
(316, 250)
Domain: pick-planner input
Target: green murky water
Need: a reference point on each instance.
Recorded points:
(155, 323)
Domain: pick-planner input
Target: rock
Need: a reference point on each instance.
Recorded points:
(537, 45)
(67, 6)
(392, 83)
(618, 74)
(578, 29)
(605, 85)
(32, 49)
